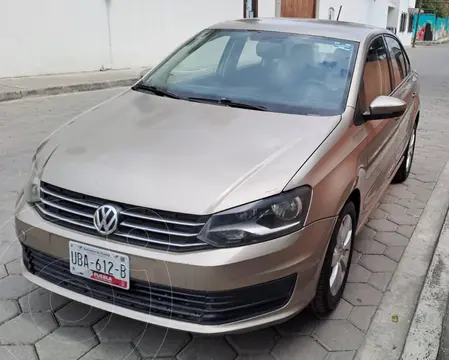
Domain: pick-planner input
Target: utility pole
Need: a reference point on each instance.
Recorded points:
(417, 23)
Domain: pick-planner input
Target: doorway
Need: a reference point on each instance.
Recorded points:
(298, 8)
(250, 9)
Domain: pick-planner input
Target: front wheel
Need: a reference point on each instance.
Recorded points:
(406, 165)
(334, 273)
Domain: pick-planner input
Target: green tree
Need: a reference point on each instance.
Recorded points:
(437, 7)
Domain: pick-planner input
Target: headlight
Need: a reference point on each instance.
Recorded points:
(32, 187)
(31, 190)
(258, 221)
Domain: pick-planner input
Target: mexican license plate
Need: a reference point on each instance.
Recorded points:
(99, 264)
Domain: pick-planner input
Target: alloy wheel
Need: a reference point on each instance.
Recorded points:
(340, 258)
(410, 151)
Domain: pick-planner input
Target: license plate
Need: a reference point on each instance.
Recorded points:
(99, 264)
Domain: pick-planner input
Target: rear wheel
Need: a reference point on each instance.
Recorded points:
(406, 165)
(334, 273)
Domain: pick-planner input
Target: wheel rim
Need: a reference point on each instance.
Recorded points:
(340, 258)
(410, 152)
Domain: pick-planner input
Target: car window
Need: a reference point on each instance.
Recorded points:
(202, 61)
(376, 76)
(399, 64)
(288, 73)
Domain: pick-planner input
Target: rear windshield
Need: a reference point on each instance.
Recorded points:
(281, 72)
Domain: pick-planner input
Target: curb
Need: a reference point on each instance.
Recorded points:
(423, 340)
(387, 334)
(434, 42)
(55, 90)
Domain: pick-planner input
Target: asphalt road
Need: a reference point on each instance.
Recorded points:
(34, 323)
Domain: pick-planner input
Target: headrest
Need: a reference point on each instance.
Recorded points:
(303, 53)
(341, 54)
(267, 49)
(302, 49)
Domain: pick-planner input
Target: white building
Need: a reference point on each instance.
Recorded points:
(400, 18)
(371, 12)
(391, 14)
(63, 36)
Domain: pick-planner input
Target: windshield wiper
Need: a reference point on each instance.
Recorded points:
(155, 90)
(229, 102)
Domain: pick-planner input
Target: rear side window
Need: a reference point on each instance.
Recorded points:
(399, 63)
(376, 76)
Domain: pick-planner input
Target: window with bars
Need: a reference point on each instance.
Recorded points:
(411, 19)
(403, 22)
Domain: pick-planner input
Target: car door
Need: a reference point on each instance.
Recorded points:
(379, 143)
(405, 87)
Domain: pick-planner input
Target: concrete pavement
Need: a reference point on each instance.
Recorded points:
(36, 324)
(425, 331)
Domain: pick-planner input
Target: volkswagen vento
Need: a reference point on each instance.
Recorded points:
(224, 190)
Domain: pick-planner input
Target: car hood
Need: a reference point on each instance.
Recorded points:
(180, 156)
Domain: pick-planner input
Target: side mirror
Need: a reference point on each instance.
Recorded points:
(143, 73)
(385, 107)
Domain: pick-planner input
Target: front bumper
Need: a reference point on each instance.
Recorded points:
(237, 282)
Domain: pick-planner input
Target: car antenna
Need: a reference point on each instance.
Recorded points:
(339, 12)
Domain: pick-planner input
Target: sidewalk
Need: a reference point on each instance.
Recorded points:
(433, 42)
(443, 353)
(426, 330)
(19, 87)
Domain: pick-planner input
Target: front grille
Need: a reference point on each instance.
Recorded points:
(138, 226)
(208, 308)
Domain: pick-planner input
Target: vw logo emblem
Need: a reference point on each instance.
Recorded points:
(106, 219)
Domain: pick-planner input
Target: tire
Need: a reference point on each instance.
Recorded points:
(406, 165)
(327, 295)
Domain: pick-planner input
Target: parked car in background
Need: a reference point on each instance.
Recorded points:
(223, 192)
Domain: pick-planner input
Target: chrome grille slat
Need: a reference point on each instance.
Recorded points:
(170, 231)
(64, 208)
(166, 243)
(152, 229)
(166, 221)
(63, 218)
(76, 201)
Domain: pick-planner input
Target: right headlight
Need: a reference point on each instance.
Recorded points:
(31, 190)
(32, 187)
(261, 220)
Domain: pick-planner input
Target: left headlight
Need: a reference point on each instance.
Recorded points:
(32, 186)
(259, 221)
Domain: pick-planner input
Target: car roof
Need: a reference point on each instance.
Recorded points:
(326, 28)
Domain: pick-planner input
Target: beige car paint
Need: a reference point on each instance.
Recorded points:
(180, 137)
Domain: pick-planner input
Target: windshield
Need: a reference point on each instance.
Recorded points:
(268, 71)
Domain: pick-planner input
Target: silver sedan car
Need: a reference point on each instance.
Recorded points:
(224, 190)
